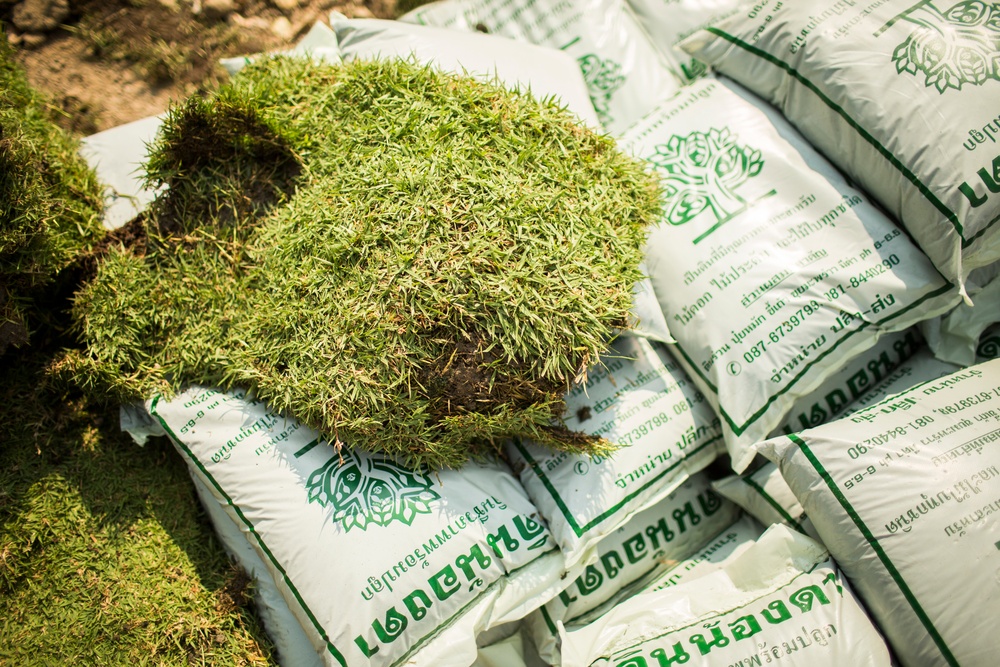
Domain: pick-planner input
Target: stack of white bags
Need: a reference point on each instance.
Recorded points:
(807, 409)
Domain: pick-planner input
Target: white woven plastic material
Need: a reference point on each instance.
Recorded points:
(624, 72)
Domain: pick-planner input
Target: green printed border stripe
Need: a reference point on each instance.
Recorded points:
(561, 503)
(893, 160)
(187, 451)
(549, 623)
(738, 429)
(773, 503)
(879, 551)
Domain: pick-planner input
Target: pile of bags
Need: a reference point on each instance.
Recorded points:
(821, 295)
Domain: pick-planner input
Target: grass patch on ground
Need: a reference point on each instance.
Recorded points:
(106, 558)
(408, 261)
(164, 44)
(50, 208)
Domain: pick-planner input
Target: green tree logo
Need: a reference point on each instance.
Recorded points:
(604, 77)
(958, 46)
(701, 171)
(370, 489)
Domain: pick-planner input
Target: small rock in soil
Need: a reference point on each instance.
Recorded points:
(32, 40)
(217, 9)
(40, 15)
(287, 5)
(283, 28)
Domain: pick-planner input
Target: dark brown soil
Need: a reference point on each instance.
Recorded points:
(109, 62)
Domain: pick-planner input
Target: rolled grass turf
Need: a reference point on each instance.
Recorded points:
(408, 261)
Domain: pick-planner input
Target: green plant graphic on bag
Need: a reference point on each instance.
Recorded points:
(989, 346)
(603, 76)
(701, 171)
(364, 490)
(953, 47)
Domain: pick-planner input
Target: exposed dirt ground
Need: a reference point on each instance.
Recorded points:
(107, 62)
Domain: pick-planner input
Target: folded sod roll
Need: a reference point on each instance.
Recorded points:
(412, 261)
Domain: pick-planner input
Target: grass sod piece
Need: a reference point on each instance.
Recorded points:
(106, 557)
(50, 206)
(434, 261)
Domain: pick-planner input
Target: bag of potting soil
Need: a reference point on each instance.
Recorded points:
(653, 540)
(290, 640)
(116, 155)
(872, 85)
(667, 22)
(852, 381)
(781, 599)
(379, 563)
(719, 550)
(624, 72)
(954, 336)
(640, 399)
(772, 271)
(921, 367)
(905, 494)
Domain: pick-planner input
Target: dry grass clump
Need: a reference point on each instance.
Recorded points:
(50, 206)
(409, 261)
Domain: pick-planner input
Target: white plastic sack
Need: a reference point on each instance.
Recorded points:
(782, 600)
(625, 74)
(667, 22)
(772, 271)
(721, 549)
(379, 563)
(545, 72)
(902, 95)
(117, 156)
(636, 397)
(921, 367)
(290, 640)
(651, 542)
(765, 494)
(905, 495)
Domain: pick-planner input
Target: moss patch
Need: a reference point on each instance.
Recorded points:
(409, 261)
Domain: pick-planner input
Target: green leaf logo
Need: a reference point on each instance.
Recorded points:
(701, 171)
(954, 47)
(604, 77)
(369, 489)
